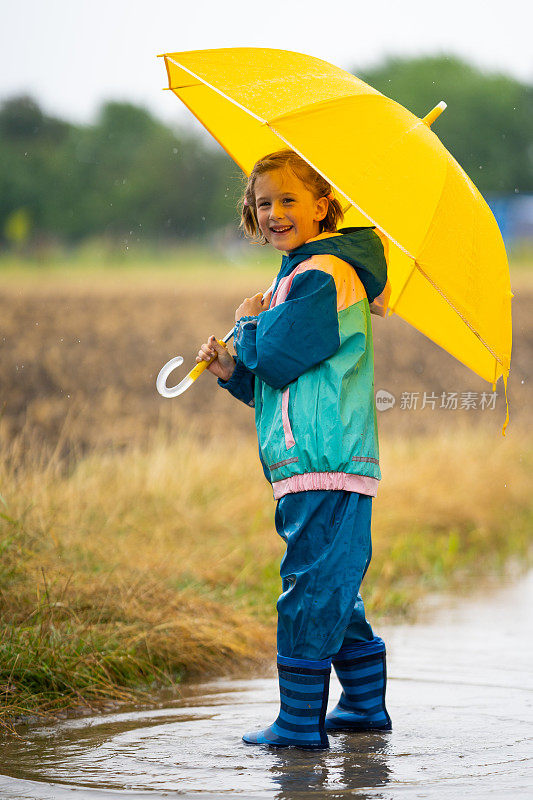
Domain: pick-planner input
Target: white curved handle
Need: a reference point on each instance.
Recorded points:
(161, 382)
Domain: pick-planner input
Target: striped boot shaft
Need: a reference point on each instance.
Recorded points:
(303, 689)
(362, 672)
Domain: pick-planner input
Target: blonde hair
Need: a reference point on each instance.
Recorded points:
(287, 159)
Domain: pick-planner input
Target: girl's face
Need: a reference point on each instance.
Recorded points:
(287, 212)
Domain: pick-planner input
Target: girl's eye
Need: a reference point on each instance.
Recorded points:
(288, 200)
(263, 204)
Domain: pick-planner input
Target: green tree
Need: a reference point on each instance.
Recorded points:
(28, 142)
(126, 175)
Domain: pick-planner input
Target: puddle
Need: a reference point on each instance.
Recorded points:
(460, 696)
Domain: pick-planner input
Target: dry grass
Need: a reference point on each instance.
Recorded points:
(157, 561)
(136, 534)
(125, 568)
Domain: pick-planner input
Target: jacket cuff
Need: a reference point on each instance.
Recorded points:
(243, 328)
(238, 373)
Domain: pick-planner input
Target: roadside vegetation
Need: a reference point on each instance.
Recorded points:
(141, 567)
(137, 545)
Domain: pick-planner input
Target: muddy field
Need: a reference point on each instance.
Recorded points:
(78, 362)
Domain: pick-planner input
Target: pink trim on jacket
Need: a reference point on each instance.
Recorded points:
(287, 430)
(280, 295)
(310, 481)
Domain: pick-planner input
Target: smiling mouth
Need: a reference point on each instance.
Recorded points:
(281, 228)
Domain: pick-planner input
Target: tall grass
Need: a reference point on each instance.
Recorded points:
(128, 567)
(133, 555)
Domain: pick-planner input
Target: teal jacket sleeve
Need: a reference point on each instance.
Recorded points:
(241, 384)
(285, 341)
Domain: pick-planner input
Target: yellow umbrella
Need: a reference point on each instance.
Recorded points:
(448, 269)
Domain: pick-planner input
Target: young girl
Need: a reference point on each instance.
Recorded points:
(305, 362)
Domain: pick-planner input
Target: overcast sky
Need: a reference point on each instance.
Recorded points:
(73, 54)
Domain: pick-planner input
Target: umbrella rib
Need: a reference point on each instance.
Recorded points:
(214, 89)
(460, 315)
(404, 287)
(319, 104)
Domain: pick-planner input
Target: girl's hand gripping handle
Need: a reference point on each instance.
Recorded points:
(213, 355)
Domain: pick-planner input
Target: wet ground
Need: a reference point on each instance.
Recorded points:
(460, 695)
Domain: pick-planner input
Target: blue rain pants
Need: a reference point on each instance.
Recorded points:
(328, 552)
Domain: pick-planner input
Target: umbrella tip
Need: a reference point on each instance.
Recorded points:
(430, 118)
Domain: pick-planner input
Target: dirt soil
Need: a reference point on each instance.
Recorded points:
(78, 365)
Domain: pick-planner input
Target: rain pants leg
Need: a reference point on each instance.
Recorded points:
(320, 612)
(328, 552)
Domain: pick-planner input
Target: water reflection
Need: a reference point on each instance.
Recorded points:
(358, 762)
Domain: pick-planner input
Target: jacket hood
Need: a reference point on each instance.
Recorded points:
(360, 247)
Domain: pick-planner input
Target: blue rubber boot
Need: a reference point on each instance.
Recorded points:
(303, 689)
(362, 671)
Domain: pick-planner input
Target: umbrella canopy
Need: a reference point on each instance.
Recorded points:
(448, 269)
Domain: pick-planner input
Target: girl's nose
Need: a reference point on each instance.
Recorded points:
(276, 211)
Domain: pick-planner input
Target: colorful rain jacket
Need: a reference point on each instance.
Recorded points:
(306, 364)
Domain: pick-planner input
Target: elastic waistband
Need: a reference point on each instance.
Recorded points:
(335, 481)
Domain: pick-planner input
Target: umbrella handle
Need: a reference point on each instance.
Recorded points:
(188, 380)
